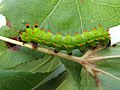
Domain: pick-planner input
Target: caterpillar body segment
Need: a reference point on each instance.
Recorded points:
(83, 41)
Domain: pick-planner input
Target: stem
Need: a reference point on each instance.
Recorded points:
(44, 50)
(90, 52)
(103, 58)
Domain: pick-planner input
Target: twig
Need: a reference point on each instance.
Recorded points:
(102, 58)
(90, 52)
(44, 50)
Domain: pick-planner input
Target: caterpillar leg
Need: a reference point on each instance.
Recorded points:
(34, 45)
(81, 47)
(70, 53)
(55, 51)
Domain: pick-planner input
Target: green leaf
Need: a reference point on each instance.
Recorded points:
(68, 84)
(63, 15)
(20, 80)
(54, 82)
(111, 66)
(10, 58)
(17, 80)
(55, 75)
(108, 81)
(46, 64)
(87, 81)
(8, 32)
(74, 70)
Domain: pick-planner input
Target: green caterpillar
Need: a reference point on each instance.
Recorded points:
(82, 42)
